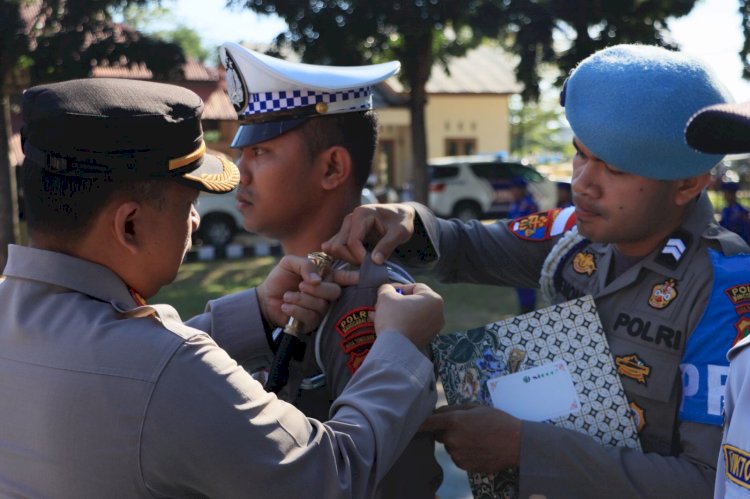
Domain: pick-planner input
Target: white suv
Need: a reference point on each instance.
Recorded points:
(475, 187)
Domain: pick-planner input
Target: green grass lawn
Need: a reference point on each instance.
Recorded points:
(466, 305)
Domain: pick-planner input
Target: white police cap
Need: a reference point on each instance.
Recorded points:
(273, 96)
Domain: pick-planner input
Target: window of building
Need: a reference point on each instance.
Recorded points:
(460, 147)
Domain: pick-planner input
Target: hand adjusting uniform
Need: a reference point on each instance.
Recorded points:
(331, 357)
(670, 317)
(102, 395)
(181, 403)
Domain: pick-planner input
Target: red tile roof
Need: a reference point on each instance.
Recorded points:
(204, 81)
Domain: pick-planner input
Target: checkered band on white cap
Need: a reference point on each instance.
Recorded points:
(267, 102)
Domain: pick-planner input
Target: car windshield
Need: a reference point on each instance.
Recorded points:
(505, 171)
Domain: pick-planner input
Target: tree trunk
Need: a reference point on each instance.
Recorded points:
(9, 227)
(419, 178)
(418, 68)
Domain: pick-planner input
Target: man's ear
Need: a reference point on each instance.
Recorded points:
(127, 225)
(338, 167)
(689, 188)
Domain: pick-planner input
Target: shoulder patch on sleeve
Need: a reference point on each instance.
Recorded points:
(737, 465)
(730, 243)
(544, 225)
(357, 329)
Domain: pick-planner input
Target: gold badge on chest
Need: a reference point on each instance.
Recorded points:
(633, 367)
(639, 416)
(584, 263)
(663, 294)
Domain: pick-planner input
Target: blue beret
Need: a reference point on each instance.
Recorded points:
(629, 105)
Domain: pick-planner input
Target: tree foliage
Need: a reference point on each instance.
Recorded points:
(563, 32)
(421, 33)
(188, 39)
(143, 17)
(53, 40)
(536, 129)
(745, 51)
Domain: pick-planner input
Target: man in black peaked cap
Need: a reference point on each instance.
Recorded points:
(103, 395)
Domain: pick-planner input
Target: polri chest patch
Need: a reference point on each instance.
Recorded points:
(740, 297)
(357, 329)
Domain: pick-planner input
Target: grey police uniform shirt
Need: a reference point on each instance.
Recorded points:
(649, 312)
(336, 350)
(733, 467)
(102, 398)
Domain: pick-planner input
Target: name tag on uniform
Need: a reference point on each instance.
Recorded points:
(537, 394)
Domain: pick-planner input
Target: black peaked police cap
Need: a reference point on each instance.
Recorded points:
(107, 127)
(722, 129)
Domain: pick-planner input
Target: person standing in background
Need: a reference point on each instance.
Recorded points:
(734, 216)
(523, 205)
(564, 196)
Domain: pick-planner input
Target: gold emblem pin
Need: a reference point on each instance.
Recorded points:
(631, 366)
(584, 263)
(321, 108)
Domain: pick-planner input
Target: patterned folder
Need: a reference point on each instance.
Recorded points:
(570, 331)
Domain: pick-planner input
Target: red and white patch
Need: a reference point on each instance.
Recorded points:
(544, 225)
(357, 328)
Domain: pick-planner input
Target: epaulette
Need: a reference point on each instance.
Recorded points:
(729, 242)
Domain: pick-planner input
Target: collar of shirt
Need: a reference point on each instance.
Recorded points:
(68, 272)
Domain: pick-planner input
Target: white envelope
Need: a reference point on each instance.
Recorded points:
(537, 394)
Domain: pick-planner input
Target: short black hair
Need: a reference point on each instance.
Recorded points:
(67, 205)
(356, 132)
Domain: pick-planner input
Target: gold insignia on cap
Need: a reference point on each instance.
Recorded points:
(188, 158)
(219, 182)
(321, 107)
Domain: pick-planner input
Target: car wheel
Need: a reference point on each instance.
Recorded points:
(217, 230)
(467, 210)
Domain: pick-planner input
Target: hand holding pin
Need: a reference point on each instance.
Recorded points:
(289, 341)
(323, 263)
